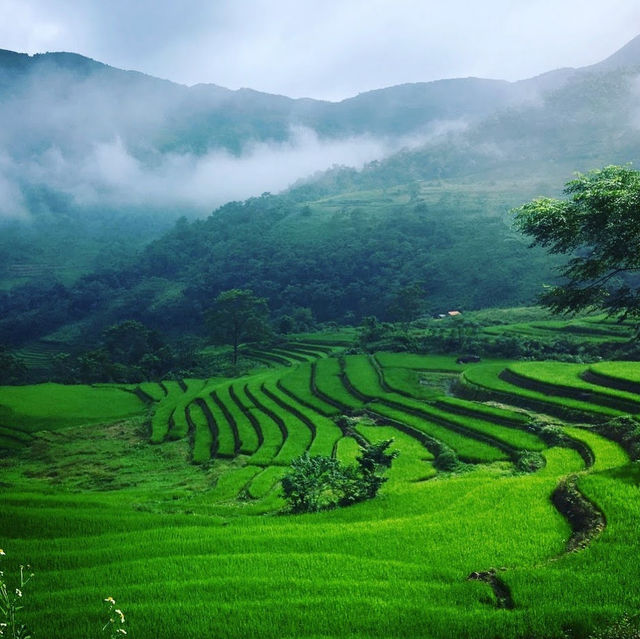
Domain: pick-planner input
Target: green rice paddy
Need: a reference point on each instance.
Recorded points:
(174, 508)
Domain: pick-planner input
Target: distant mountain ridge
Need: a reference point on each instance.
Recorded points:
(207, 116)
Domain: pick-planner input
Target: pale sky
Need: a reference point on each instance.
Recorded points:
(328, 49)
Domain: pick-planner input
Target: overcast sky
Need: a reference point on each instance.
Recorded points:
(328, 49)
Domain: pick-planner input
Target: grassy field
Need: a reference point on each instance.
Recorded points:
(101, 496)
(53, 406)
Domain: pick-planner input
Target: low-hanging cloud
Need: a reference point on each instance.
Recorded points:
(12, 204)
(107, 139)
(110, 175)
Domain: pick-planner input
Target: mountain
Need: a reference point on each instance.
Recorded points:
(102, 161)
(627, 56)
(73, 102)
(92, 135)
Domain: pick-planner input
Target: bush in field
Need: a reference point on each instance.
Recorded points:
(550, 433)
(319, 483)
(312, 484)
(529, 461)
(447, 461)
(366, 478)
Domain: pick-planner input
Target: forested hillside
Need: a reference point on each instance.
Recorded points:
(342, 257)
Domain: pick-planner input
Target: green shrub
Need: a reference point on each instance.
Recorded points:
(319, 482)
(529, 461)
(312, 484)
(447, 461)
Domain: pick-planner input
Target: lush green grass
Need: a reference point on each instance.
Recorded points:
(486, 377)
(329, 384)
(628, 372)
(202, 436)
(53, 406)
(153, 390)
(413, 462)
(163, 412)
(347, 450)
(486, 411)
(445, 363)
(291, 355)
(309, 347)
(420, 384)
(246, 431)
(21, 436)
(402, 549)
(595, 329)
(593, 586)
(565, 379)
(297, 438)
(169, 415)
(334, 338)
(325, 433)
(467, 449)
(364, 378)
(226, 444)
(298, 384)
(196, 551)
(272, 438)
(265, 481)
(178, 428)
(607, 454)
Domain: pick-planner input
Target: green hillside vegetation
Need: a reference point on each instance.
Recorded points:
(341, 259)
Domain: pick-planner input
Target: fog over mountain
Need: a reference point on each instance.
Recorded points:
(77, 133)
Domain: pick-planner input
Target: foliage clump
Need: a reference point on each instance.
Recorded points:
(447, 460)
(320, 483)
(529, 461)
(12, 368)
(626, 431)
(551, 434)
(598, 226)
(237, 315)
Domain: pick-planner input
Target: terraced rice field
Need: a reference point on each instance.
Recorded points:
(165, 497)
(597, 328)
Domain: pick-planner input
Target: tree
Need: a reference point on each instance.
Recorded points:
(407, 304)
(599, 226)
(129, 341)
(318, 483)
(372, 462)
(311, 484)
(237, 315)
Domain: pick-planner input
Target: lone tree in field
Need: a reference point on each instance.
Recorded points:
(237, 316)
(599, 225)
(319, 483)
